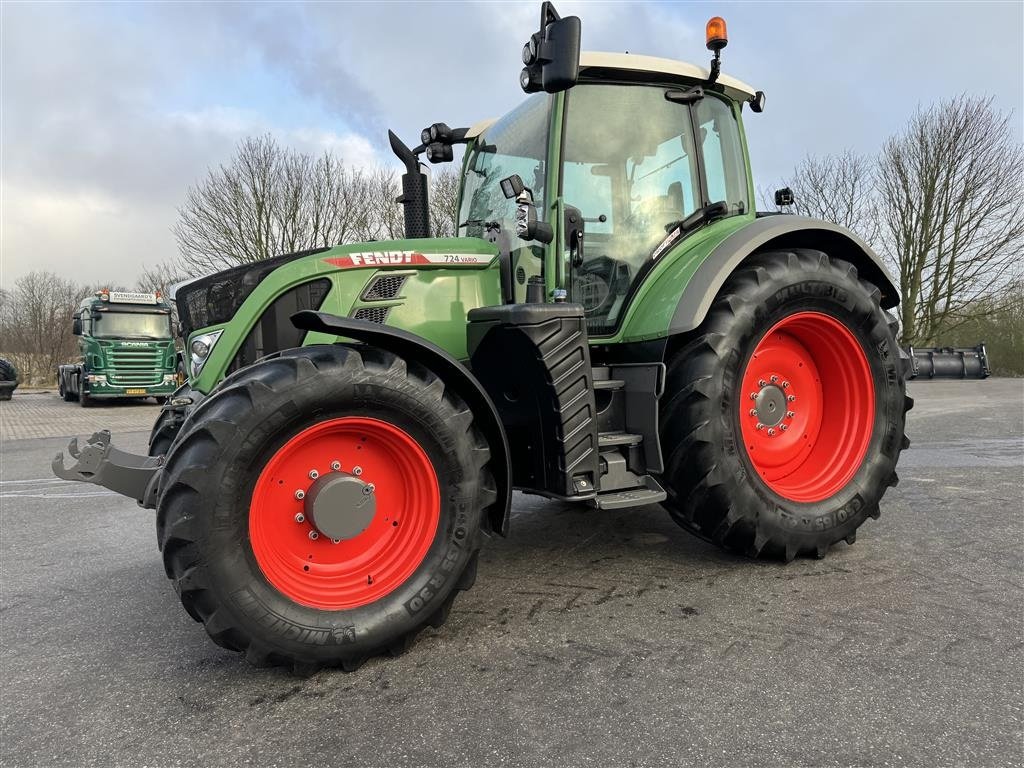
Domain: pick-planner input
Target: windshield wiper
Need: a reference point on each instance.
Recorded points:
(699, 217)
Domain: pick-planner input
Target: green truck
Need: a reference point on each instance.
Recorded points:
(614, 325)
(127, 349)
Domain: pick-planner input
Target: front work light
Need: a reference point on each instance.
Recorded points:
(200, 348)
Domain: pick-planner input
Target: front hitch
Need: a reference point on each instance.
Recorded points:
(101, 463)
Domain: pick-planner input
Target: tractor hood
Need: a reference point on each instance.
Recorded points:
(214, 299)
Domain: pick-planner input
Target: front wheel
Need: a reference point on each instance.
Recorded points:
(323, 506)
(784, 415)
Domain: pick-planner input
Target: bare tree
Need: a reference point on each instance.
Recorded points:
(951, 195)
(269, 200)
(837, 188)
(160, 277)
(444, 195)
(35, 324)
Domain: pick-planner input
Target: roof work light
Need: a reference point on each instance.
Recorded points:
(717, 38)
(716, 35)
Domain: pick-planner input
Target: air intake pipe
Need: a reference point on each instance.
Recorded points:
(414, 197)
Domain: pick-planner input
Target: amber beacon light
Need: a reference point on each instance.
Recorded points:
(717, 38)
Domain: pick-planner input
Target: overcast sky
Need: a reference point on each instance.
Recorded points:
(109, 111)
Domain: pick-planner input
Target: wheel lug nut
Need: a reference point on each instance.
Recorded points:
(771, 432)
(791, 398)
(336, 541)
(753, 395)
(313, 474)
(752, 411)
(368, 489)
(335, 465)
(760, 425)
(785, 385)
(300, 518)
(357, 471)
(314, 535)
(762, 383)
(300, 494)
(790, 414)
(783, 427)
(775, 379)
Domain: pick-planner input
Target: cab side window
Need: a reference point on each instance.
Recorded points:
(722, 153)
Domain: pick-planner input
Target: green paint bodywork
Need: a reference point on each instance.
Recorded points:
(435, 300)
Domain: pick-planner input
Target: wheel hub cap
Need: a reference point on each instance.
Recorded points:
(340, 505)
(770, 405)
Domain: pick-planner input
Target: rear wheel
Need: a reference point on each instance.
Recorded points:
(784, 414)
(324, 506)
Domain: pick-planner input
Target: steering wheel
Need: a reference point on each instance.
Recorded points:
(596, 284)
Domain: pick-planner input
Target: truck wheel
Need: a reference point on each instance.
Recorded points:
(323, 506)
(7, 370)
(784, 413)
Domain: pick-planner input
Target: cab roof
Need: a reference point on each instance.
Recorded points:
(629, 61)
(734, 88)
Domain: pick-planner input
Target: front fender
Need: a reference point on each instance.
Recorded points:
(452, 372)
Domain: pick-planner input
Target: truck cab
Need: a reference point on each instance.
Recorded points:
(126, 348)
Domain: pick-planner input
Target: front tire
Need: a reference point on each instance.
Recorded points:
(784, 414)
(168, 423)
(238, 542)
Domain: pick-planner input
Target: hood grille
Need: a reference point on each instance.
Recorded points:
(372, 314)
(384, 287)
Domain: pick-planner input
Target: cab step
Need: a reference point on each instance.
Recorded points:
(609, 384)
(649, 493)
(615, 439)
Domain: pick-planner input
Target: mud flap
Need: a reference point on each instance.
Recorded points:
(101, 463)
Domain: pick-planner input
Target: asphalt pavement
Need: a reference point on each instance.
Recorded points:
(590, 638)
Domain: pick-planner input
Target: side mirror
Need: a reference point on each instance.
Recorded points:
(552, 54)
(757, 102)
(76, 326)
(527, 226)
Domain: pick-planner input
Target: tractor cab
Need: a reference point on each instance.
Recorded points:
(636, 155)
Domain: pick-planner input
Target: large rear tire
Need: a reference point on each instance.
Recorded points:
(267, 566)
(784, 413)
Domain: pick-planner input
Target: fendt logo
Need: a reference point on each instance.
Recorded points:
(378, 258)
(406, 258)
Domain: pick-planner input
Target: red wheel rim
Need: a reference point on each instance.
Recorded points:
(336, 575)
(812, 366)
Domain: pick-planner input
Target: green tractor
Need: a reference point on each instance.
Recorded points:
(613, 325)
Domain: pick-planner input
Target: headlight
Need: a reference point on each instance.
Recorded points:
(201, 347)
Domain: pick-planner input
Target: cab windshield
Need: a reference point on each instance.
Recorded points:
(131, 325)
(515, 144)
(632, 164)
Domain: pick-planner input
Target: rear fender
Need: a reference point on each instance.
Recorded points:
(452, 372)
(776, 233)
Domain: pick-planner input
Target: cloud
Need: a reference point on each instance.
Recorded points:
(111, 110)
